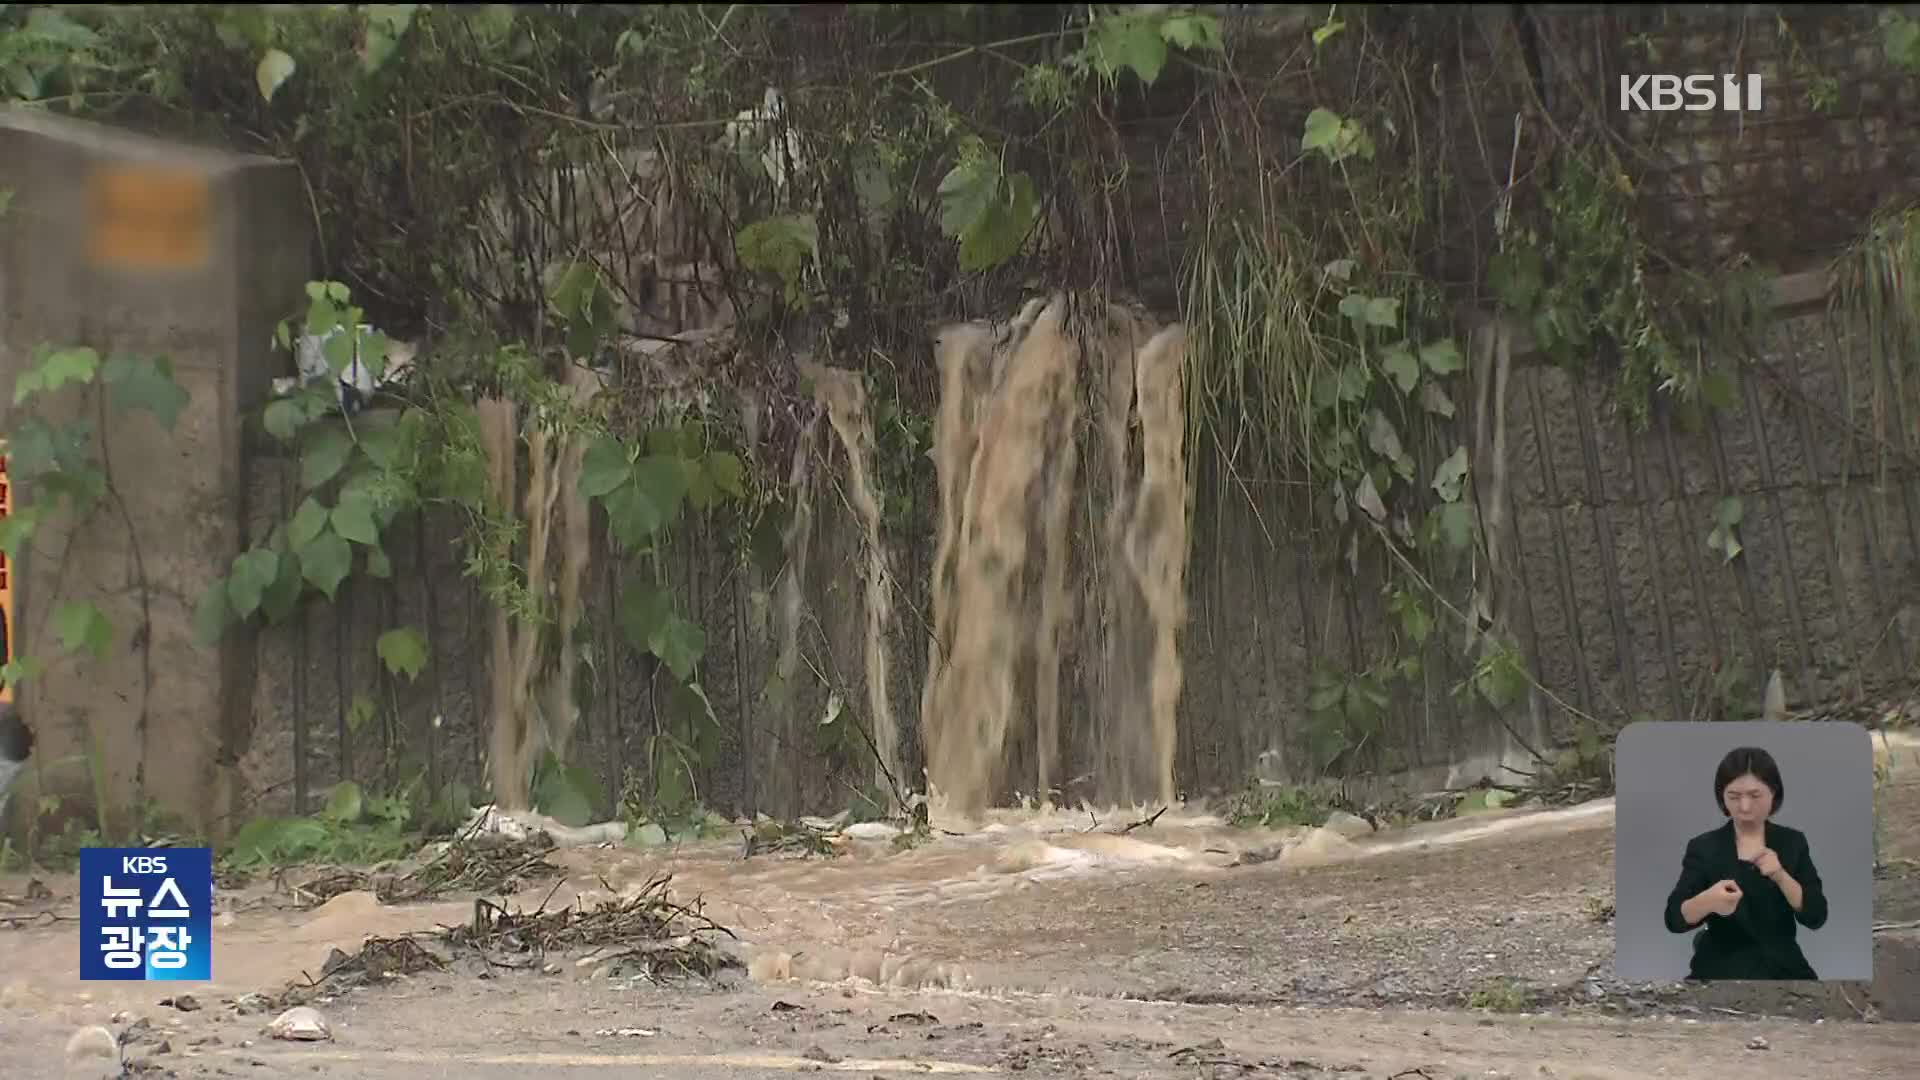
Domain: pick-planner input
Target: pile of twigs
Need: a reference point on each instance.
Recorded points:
(473, 861)
(665, 937)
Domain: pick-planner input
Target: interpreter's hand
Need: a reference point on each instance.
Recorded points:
(1724, 897)
(1767, 863)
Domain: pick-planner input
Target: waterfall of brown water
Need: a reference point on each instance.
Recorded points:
(844, 397)
(1006, 451)
(1157, 536)
(508, 753)
(533, 705)
(790, 605)
(573, 523)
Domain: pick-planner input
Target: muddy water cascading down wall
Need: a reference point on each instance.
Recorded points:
(1046, 578)
(1007, 442)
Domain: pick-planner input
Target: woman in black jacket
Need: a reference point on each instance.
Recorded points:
(1750, 881)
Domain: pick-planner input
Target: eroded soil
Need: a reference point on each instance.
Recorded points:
(1344, 963)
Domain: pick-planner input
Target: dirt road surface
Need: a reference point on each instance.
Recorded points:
(1084, 956)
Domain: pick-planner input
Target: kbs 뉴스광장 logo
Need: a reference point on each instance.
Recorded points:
(146, 914)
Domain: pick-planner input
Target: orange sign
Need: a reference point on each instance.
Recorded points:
(148, 218)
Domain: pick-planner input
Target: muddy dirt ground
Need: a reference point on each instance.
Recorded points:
(1183, 967)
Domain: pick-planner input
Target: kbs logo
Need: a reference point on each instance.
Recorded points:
(1693, 93)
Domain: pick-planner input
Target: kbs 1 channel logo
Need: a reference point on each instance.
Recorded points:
(1690, 93)
(146, 914)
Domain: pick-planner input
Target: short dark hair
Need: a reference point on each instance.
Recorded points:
(1741, 761)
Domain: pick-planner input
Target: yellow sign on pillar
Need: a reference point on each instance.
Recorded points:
(145, 218)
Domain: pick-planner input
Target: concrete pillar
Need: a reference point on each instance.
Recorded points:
(130, 244)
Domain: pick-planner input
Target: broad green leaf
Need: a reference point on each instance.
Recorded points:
(1900, 36)
(728, 474)
(273, 70)
(491, 23)
(1452, 473)
(1323, 131)
(672, 789)
(344, 803)
(16, 528)
(967, 192)
(1456, 525)
(644, 610)
(565, 793)
(633, 516)
(1441, 357)
(1129, 41)
(353, 519)
(1435, 400)
(1500, 676)
(1384, 439)
(361, 713)
(341, 350)
(663, 477)
(1326, 697)
(1729, 512)
(404, 651)
(1399, 363)
(386, 25)
(54, 368)
(1382, 311)
(284, 418)
(253, 573)
(701, 491)
(378, 565)
(1516, 276)
(382, 445)
(584, 303)
(326, 562)
(325, 455)
(780, 245)
(212, 614)
(307, 522)
(649, 622)
(1003, 230)
(37, 449)
(82, 626)
(50, 26)
(1193, 30)
(139, 383)
(1473, 803)
(283, 596)
(604, 467)
(21, 669)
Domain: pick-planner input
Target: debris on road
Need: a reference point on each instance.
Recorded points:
(486, 862)
(664, 937)
(300, 1024)
(627, 1033)
(93, 1052)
